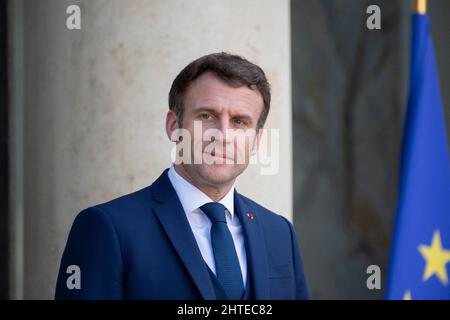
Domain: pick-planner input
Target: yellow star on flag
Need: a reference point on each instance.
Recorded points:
(407, 295)
(436, 259)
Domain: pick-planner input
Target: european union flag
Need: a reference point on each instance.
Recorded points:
(420, 257)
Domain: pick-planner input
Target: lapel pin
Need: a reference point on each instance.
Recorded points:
(250, 215)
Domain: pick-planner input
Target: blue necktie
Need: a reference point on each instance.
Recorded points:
(228, 270)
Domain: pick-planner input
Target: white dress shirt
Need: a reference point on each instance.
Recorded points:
(192, 199)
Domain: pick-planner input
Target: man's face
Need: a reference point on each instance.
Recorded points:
(229, 114)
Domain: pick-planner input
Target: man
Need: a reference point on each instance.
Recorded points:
(191, 235)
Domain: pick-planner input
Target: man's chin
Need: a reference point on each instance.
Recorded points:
(218, 173)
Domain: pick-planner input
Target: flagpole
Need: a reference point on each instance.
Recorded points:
(419, 6)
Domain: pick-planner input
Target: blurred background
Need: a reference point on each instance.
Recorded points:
(82, 120)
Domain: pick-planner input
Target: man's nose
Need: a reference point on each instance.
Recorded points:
(224, 127)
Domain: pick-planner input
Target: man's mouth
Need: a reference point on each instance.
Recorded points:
(219, 155)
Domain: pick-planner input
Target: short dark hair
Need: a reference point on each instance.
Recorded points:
(233, 69)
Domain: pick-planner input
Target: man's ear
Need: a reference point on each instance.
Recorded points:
(171, 125)
(257, 141)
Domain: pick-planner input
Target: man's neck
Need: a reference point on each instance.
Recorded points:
(216, 193)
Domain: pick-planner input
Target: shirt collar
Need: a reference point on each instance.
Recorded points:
(192, 198)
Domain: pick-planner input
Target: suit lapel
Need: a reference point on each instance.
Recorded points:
(173, 219)
(255, 247)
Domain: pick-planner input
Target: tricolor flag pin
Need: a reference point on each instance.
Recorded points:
(250, 215)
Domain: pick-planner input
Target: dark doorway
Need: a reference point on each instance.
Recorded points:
(4, 156)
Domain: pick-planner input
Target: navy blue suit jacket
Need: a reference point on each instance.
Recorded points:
(141, 246)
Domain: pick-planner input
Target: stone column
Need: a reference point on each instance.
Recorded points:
(95, 101)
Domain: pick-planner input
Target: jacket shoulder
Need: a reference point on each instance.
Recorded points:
(264, 214)
(126, 205)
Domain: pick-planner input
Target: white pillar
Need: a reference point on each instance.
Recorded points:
(95, 101)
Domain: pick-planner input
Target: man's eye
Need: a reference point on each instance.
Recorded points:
(204, 116)
(239, 121)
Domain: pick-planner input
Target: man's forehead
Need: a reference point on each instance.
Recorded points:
(209, 90)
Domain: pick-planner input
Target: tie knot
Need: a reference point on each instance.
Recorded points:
(215, 211)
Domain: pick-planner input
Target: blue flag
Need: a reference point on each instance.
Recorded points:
(420, 256)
